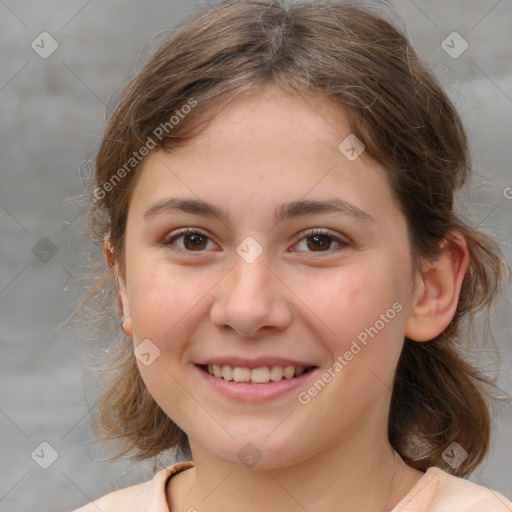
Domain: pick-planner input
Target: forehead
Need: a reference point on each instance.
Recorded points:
(266, 146)
(282, 119)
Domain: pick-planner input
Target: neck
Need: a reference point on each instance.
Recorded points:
(362, 474)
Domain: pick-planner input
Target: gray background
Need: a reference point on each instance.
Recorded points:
(52, 118)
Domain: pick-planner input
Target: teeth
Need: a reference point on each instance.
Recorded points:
(289, 372)
(241, 374)
(227, 372)
(276, 373)
(299, 370)
(260, 375)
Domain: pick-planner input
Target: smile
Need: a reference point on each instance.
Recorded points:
(261, 375)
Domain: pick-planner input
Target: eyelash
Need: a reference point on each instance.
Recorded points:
(304, 235)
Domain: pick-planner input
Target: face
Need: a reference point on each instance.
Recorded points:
(269, 275)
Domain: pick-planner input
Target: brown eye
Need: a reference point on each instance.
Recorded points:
(192, 241)
(319, 240)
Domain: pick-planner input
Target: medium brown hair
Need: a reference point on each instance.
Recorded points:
(365, 66)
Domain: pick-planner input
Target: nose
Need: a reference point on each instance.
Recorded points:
(251, 299)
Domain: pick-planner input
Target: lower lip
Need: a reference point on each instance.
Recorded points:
(254, 392)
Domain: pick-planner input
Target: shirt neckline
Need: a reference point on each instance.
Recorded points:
(429, 476)
(172, 471)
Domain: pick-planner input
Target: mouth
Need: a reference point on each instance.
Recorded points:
(258, 376)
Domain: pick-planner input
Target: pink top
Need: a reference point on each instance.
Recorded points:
(435, 491)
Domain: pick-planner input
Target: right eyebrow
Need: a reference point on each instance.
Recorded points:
(194, 206)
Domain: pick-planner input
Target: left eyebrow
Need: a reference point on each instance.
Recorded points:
(287, 210)
(332, 205)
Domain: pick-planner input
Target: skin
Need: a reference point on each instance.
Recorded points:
(295, 300)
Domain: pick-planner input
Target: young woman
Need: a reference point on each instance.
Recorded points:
(275, 198)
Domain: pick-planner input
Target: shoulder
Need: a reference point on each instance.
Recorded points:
(439, 491)
(148, 496)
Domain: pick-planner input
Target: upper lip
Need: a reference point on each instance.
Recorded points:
(258, 362)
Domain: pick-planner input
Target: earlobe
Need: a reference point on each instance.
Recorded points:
(435, 299)
(123, 306)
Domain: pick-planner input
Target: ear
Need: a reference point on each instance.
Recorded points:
(123, 305)
(435, 299)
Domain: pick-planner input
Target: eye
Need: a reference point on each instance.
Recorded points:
(319, 240)
(194, 240)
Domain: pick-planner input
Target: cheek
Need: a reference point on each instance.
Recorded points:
(163, 298)
(362, 308)
(164, 302)
(348, 299)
